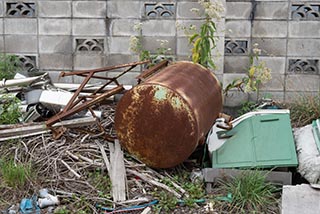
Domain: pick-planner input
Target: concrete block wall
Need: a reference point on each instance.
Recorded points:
(288, 34)
(66, 35)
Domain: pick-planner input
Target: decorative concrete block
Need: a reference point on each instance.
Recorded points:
(273, 29)
(236, 64)
(158, 10)
(153, 44)
(124, 9)
(88, 61)
(92, 9)
(302, 82)
(20, 26)
(54, 26)
(117, 59)
(304, 47)
(159, 28)
(123, 27)
(119, 45)
(271, 47)
(94, 45)
(271, 10)
(92, 27)
(55, 62)
(238, 10)
(55, 44)
(237, 28)
(305, 66)
(21, 43)
(275, 84)
(22, 9)
(302, 29)
(54, 9)
(276, 64)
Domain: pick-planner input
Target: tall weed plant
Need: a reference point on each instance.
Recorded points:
(9, 65)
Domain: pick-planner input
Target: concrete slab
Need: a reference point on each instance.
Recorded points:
(300, 199)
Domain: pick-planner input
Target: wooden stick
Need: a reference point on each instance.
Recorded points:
(104, 156)
(70, 169)
(149, 180)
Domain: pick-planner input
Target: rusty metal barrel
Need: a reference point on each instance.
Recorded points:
(162, 120)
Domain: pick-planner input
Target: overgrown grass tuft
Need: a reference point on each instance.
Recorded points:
(304, 110)
(14, 175)
(250, 193)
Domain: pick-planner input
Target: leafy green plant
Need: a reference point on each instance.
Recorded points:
(250, 192)
(304, 109)
(9, 64)
(258, 73)
(167, 201)
(14, 175)
(101, 182)
(205, 40)
(9, 109)
(62, 210)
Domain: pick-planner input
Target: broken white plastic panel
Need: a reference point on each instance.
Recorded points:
(20, 82)
(55, 97)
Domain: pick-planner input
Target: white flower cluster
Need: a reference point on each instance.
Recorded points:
(212, 9)
(134, 44)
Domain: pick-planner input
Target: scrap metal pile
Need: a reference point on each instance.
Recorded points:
(67, 133)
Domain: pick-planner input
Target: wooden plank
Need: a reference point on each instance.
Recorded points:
(27, 130)
(118, 172)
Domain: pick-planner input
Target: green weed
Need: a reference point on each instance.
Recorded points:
(14, 175)
(250, 193)
(9, 109)
(167, 201)
(9, 64)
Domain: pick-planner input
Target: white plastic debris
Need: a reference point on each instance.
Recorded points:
(308, 154)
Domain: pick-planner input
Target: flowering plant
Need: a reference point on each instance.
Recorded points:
(204, 41)
(258, 73)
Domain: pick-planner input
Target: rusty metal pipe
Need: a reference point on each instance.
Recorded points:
(109, 68)
(162, 120)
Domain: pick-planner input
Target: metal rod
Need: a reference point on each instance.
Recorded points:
(85, 105)
(64, 74)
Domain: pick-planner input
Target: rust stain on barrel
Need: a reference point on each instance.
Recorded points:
(162, 120)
